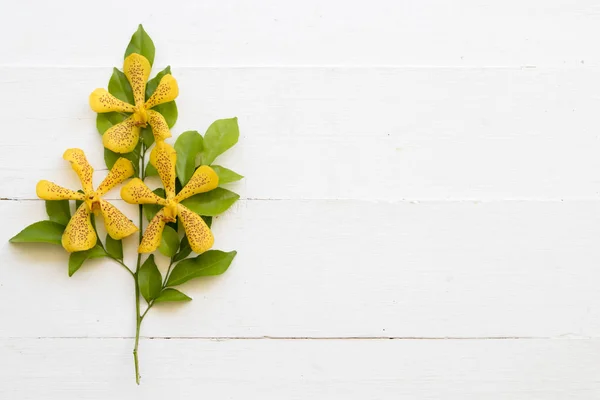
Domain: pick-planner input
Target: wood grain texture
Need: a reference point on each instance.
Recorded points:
(370, 134)
(312, 32)
(336, 269)
(81, 369)
(419, 218)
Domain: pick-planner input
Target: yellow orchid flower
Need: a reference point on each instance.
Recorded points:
(79, 234)
(163, 158)
(123, 137)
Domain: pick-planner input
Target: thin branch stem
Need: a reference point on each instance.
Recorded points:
(138, 317)
(123, 265)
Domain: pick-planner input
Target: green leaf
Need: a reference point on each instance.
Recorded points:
(169, 111)
(141, 43)
(77, 258)
(213, 262)
(119, 87)
(58, 211)
(211, 203)
(40, 232)
(110, 158)
(170, 294)
(150, 170)
(184, 249)
(114, 247)
(105, 121)
(150, 210)
(169, 242)
(187, 146)
(207, 220)
(147, 136)
(220, 136)
(226, 175)
(149, 279)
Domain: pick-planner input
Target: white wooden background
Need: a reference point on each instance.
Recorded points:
(420, 217)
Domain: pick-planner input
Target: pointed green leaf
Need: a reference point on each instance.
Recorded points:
(169, 242)
(220, 136)
(226, 175)
(149, 279)
(110, 158)
(119, 87)
(211, 203)
(150, 170)
(58, 211)
(40, 232)
(169, 111)
(213, 262)
(187, 146)
(141, 43)
(114, 247)
(105, 121)
(150, 210)
(77, 258)
(207, 220)
(170, 294)
(147, 136)
(184, 249)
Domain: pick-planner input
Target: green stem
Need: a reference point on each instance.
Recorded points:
(123, 265)
(164, 285)
(138, 317)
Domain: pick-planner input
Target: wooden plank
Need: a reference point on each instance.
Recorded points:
(301, 369)
(336, 269)
(311, 32)
(370, 134)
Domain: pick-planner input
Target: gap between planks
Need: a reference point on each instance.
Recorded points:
(321, 66)
(402, 200)
(224, 338)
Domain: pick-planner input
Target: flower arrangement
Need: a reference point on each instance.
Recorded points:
(135, 116)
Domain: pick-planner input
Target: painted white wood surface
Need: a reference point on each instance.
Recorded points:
(419, 218)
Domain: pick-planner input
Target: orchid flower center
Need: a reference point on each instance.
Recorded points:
(170, 210)
(140, 116)
(92, 200)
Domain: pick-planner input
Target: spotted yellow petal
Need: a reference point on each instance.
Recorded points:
(123, 137)
(204, 179)
(167, 90)
(122, 170)
(102, 102)
(136, 192)
(79, 234)
(160, 128)
(117, 224)
(81, 166)
(51, 191)
(137, 70)
(153, 233)
(198, 233)
(163, 157)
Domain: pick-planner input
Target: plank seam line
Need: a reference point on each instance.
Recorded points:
(375, 200)
(307, 338)
(320, 66)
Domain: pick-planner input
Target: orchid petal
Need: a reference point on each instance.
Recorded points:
(79, 234)
(117, 224)
(204, 179)
(198, 233)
